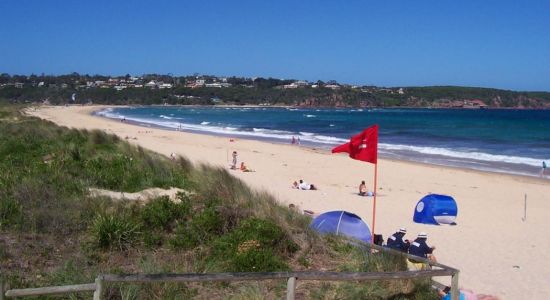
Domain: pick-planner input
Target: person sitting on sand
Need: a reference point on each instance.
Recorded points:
(362, 189)
(395, 241)
(420, 248)
(244, 168)
(306, 186)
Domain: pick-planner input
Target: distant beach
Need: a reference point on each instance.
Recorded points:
(497, 251)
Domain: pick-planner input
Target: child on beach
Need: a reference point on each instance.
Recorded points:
(362, 189)
(244, 168)
(234, 162)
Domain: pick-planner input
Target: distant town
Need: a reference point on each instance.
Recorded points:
(208, 90)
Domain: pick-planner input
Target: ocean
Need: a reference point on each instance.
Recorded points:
(506, 141)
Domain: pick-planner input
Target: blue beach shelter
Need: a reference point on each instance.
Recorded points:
(436, 209)
(342, 223)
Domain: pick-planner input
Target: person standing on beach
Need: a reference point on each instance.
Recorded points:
(234, 162)
(543, 168)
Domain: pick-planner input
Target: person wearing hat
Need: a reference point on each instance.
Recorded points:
(395, 241)
(420, 248)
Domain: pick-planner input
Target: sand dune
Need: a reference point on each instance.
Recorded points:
(496, 251)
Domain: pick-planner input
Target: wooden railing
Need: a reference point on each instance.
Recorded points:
(292, 277)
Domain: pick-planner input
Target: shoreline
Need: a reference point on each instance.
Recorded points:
(496, 252)
(320, 150)
(386, 151)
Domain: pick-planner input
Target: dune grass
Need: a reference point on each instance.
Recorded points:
(61, 235)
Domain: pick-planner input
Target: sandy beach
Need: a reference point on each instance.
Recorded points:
(496, 251)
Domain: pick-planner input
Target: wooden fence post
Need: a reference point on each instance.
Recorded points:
(454, 286)
(98, 288)
(290, 288)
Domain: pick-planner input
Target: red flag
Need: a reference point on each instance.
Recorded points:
(363, 146)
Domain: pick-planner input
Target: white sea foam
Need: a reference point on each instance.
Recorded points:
(479, 156)
(166, 117)
(109, 113)
(271, 131)
(205, 123)
(307, 133)
(330, 139)
(310, 116)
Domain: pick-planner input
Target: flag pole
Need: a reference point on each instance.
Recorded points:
(374, 200)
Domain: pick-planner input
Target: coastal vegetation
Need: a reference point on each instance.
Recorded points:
(54, 232)
(209, 90)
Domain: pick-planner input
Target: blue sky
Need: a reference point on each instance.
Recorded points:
(502, 44)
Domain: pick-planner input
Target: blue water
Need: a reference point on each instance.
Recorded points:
(509, 141)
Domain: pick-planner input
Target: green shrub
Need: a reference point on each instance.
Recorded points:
(258, 260)
(254, 245)
(113, 232)
(208, 223)
(185, 237)
(152, 239)
(203, 227)
(200, 226)
(10, 213)
(161, 213)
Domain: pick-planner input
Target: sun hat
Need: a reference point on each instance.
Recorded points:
(422, 235)
(403, 230)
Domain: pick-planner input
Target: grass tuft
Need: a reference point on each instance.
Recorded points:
(110, 232)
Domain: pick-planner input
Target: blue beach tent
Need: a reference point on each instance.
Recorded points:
(436, 209)
(342, 223)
